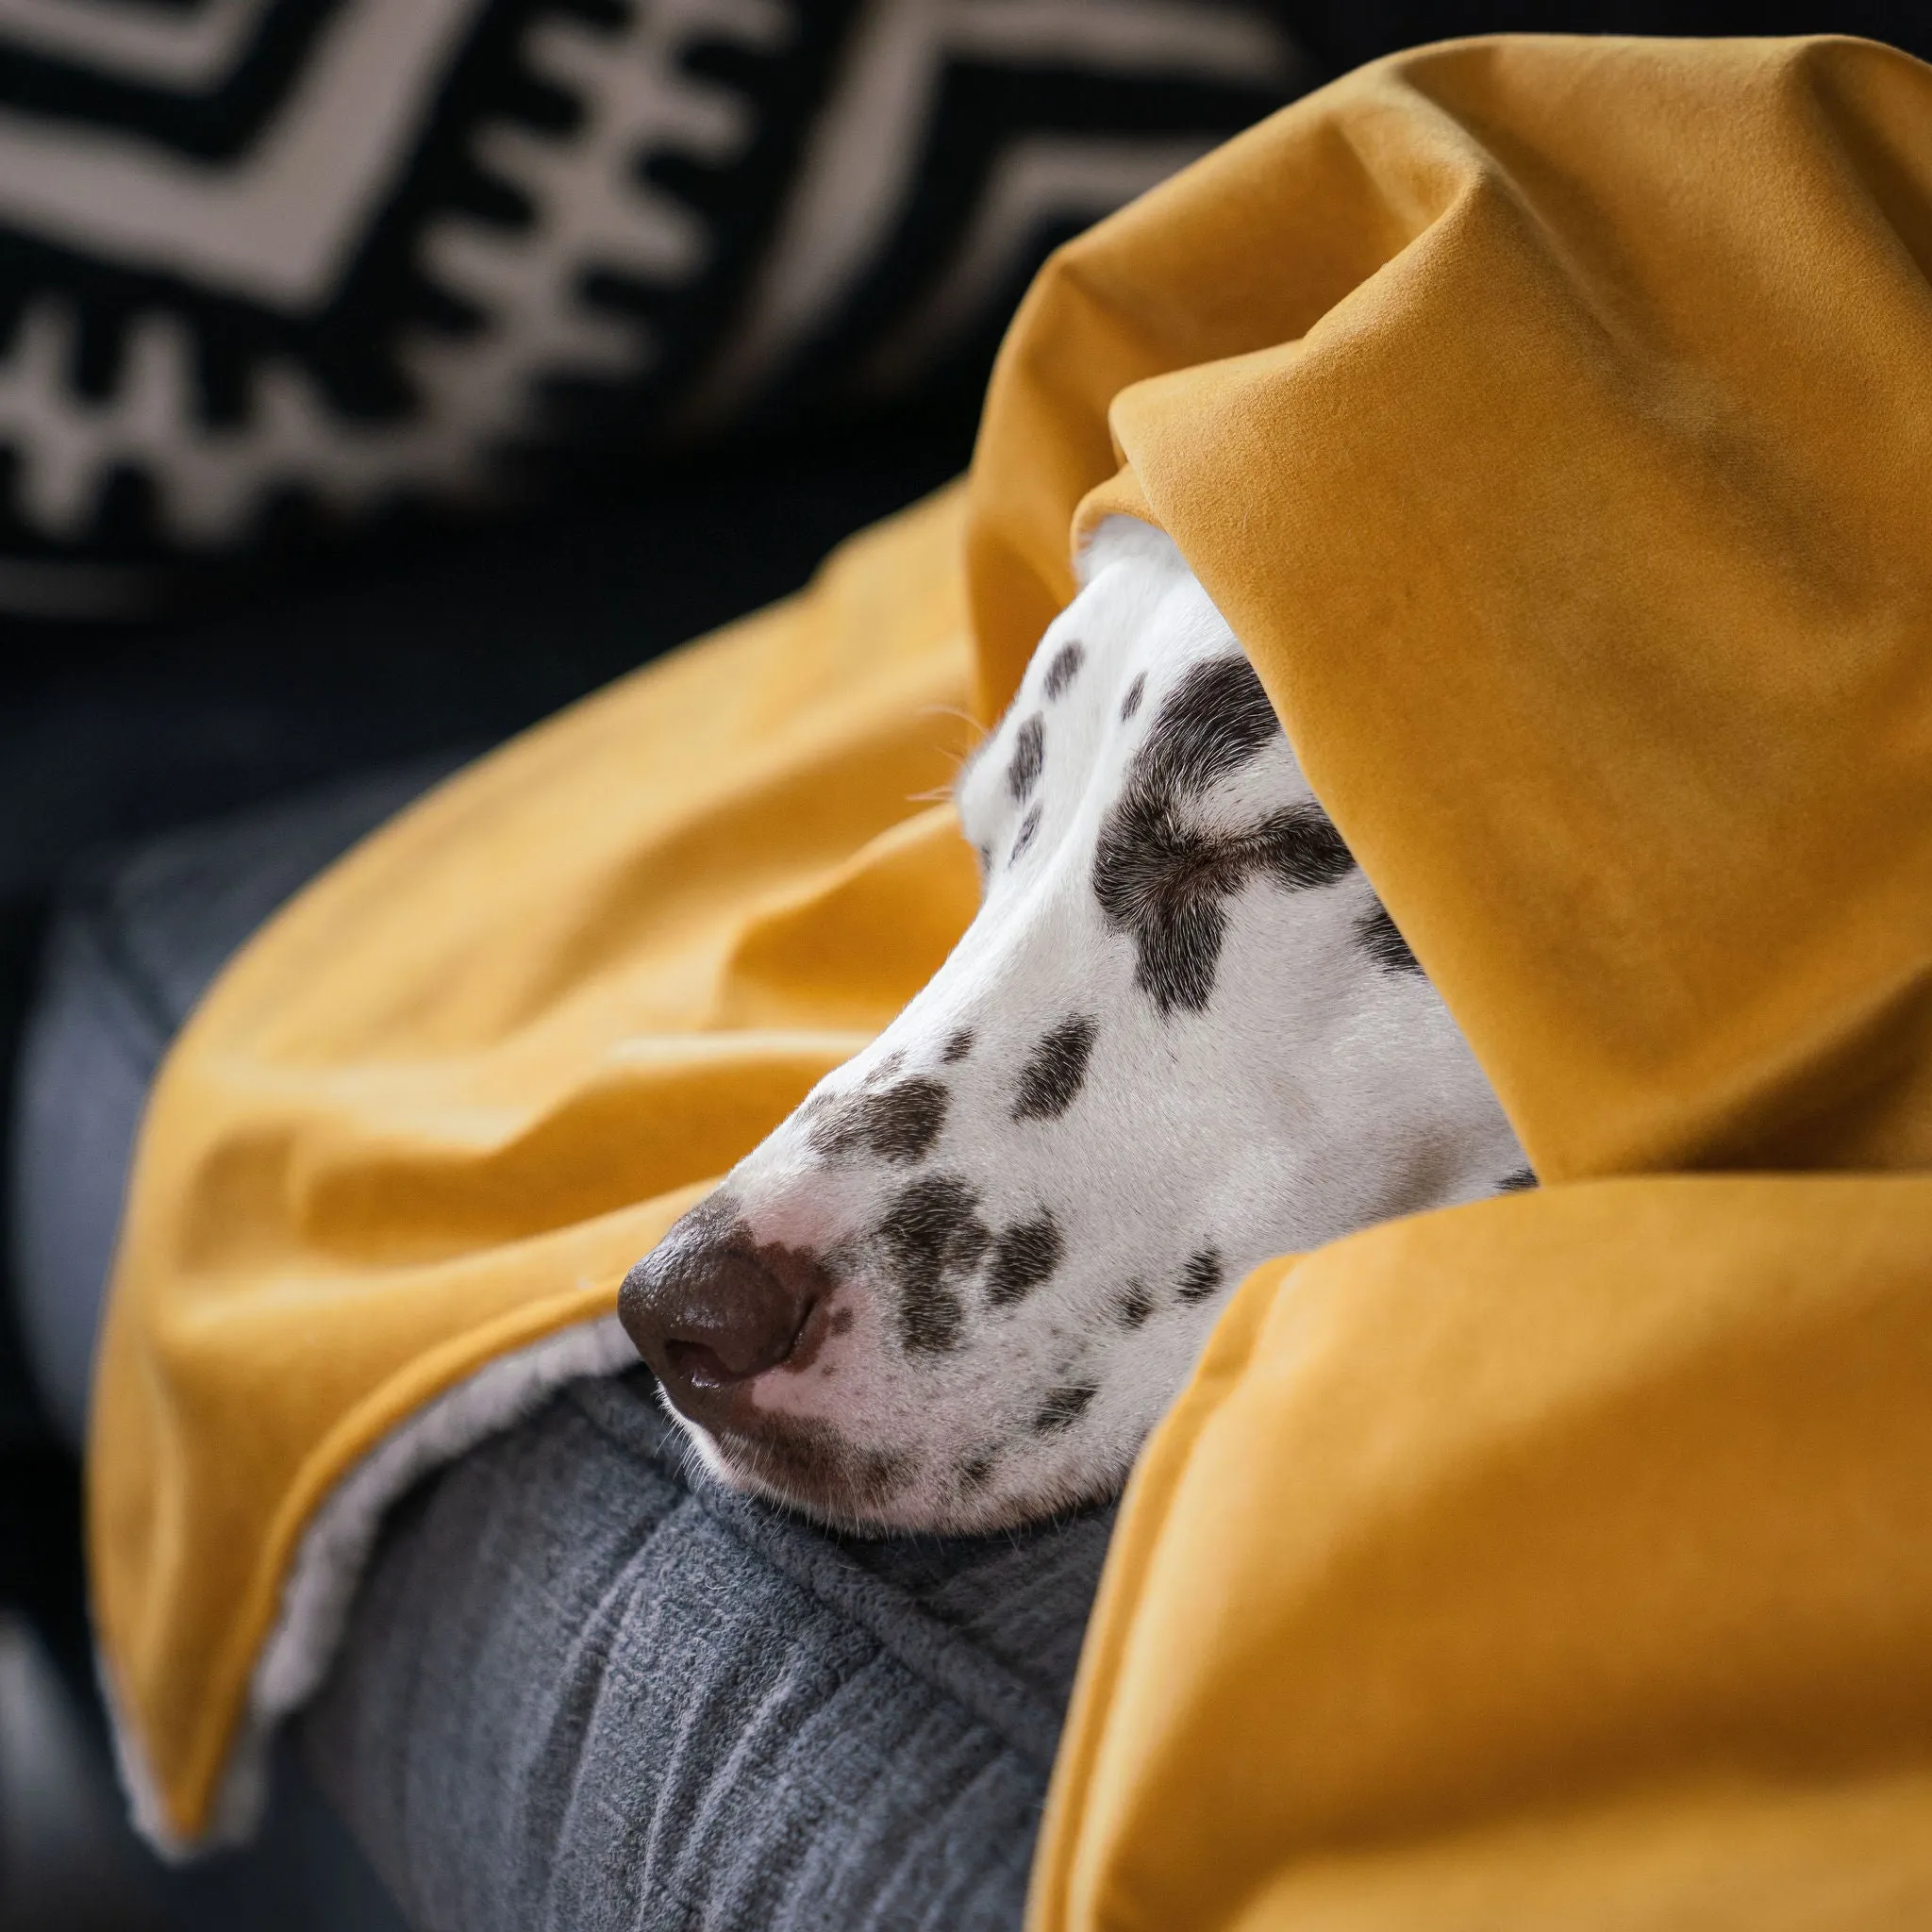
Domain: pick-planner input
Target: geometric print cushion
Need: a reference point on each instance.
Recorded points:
(273, 269)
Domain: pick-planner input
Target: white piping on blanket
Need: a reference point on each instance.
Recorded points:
(329, 1566)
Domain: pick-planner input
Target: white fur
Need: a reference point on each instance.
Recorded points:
(1319, 1091)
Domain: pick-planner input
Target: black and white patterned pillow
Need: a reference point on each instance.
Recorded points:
(272, 265)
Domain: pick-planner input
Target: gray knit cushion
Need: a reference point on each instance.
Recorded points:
(585, 1688)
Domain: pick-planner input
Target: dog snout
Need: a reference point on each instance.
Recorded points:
(709, 1310)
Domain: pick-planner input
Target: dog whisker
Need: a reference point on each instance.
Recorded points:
(964, 716)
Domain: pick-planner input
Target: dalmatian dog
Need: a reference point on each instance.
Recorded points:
(959, 1286)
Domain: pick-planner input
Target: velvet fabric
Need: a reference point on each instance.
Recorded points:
(437, 1107)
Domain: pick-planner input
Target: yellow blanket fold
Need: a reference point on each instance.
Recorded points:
(438, 1106)
(1561, 1560)
(1552, 419)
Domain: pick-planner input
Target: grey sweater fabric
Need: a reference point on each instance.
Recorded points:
(587, 1690)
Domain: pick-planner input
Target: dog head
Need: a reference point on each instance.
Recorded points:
(961, 1283)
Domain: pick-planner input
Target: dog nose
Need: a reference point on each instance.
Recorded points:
(708, 1312)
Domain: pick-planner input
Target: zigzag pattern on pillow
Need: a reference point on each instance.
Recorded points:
(271, 264)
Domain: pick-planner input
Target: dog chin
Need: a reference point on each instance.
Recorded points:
(811, 1468)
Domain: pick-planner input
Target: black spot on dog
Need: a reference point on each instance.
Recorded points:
(1029, 758)
(1023, 1256)
(1379, 937)
(1064, 1407)
(1135, 1305)
(958, 1047)
(1201, 1276)
(1065, 667)
(1055, 1072)
(897, 1122)
(932, 1236)
(1136, 692)
(976, 1474)
(1212, 722)
(1178, 946)
(1522, 1182)
(983, 854)
(1028, 826)
(885, 1068)
(1166, 882)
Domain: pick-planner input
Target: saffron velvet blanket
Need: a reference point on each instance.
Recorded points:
(1553, 421)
